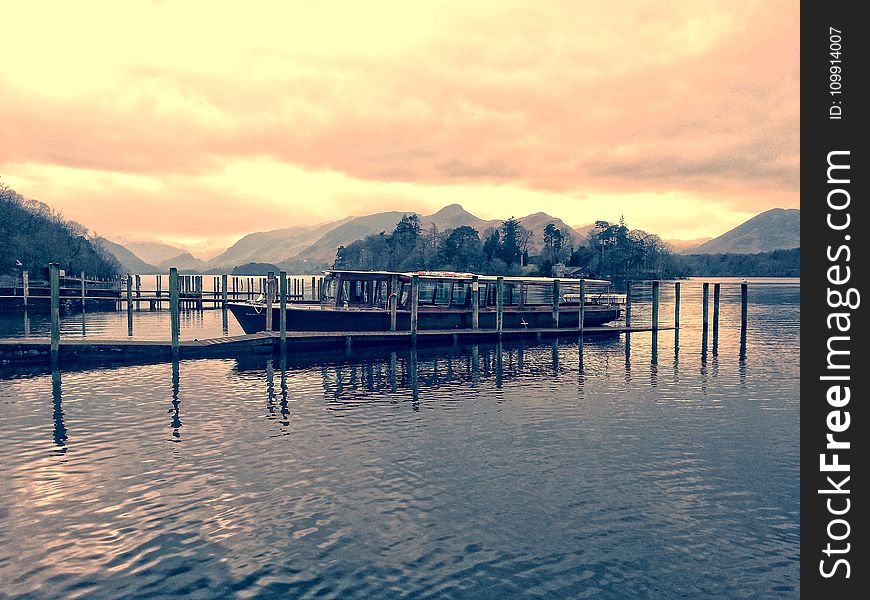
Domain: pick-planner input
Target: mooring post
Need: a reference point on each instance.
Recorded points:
(676, 318)
(268, 291)
(129, 304)
(628, 304)
(415, 305)
(655, 305)
(475, 302)
(224, 291)
(138, 290)
(744, 302)
(54, 281)
(282, 303)
(84, 290)
(393, 299)
(159, 285)
(705, 297)
(199, 303)
(556, 297)
(716, 293)
(25, 284)
(499, 304)
(174, 317)
(313, 288)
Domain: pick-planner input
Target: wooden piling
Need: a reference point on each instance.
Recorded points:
(282, 314)
(744, 303)
(499, 304)
(84, 290)
(129, 304)
(705, 297)
(556, 293)
(54, 280)
(174, 317)
(628, 303)
(716, 293)
(677, 305)
(415, 305)
(393, 299)
(268, 291)
(224, 291)
(159, 285)
(655, 305)
(581, 306)
(314, 289)
(475, 302)
(25, 284)
(198, 292)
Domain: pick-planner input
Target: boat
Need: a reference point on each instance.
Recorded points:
(372, 300)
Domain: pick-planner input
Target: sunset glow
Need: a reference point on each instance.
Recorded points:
(194, 124)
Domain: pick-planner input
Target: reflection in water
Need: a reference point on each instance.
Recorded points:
(554, 345)
(84, 322)
(270, 388)
(175, 424)
(26, 323)
(285, 411)
(60, 433)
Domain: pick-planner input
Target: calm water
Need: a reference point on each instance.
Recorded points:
(463, 472)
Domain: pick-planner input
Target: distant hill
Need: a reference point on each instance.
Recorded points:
(449, 217)
(128, 260)
(686, 246)
(271, 246)
(33, 235)
(183, 262)
(152, 252)
(775, 229)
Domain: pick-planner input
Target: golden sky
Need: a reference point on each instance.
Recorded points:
(198, 122)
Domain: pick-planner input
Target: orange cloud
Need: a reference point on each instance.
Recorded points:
(338, 104)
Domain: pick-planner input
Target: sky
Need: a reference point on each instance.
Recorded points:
(199, 122)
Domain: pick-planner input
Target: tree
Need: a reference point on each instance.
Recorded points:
(462, 249)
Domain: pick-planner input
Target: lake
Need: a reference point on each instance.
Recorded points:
(486, 471)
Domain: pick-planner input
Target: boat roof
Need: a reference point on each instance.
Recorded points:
(451, 276)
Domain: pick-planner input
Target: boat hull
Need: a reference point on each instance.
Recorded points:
(314, 318)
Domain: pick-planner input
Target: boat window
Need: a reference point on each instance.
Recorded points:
(461, 294)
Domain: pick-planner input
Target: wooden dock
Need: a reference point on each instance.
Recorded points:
(38, 350)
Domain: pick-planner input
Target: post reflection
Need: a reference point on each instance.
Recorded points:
(285, 411)
(270, 388)
(175, 411)
(60, 432)
(499, 366)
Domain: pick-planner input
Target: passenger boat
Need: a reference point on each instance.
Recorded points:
(374, 300)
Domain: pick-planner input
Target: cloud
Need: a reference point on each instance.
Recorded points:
(691, 99)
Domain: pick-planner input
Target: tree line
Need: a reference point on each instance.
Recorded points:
(32, 235)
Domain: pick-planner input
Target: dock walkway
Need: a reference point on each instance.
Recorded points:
(35, 350)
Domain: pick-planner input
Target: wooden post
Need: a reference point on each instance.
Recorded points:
(393, 300)
(581, 307)
(716, 290)
(628, 304)
(159, 291)
(198, 282)
(224, 291)
(415, 305)
(138, 290)
(655, 305)
(677, 305)
(313, 288)
(54, 280)
(268, 292)
(129, 304)
(744, 303)
(25, 283)
(84, 290)
(705, 297)
(282, 304)
(499, 304)
(556, 293)
(174, 317)
(475, 302)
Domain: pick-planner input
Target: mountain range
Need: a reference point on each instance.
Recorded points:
(312, 246)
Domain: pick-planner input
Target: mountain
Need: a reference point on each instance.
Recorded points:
(775, 229)
(152, 252)
(183, 262)
(271, 246)
(128, 260)
(686, 246)
(449, 217)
